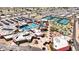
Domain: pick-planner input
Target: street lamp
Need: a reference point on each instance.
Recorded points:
(77, 16)
(75, 43)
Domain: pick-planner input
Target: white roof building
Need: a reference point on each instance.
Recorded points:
(60, 42)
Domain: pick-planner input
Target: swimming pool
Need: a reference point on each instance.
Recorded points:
(48, 17)
(63, 21)
(24, 27)
(55, 19)
(33, 25)
(28, 27)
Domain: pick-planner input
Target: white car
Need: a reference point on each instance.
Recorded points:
(24, 36)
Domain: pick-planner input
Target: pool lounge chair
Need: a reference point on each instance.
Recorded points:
(5, 23)
(9, 36)
(14, 20)
(1, 24)
(5, 30)
(9, 21)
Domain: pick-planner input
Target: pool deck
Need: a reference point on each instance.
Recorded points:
(40, 45)
(48, 34)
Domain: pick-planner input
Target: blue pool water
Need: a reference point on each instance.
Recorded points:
(28, 27)
(63, 21)
(55, 19)
(48, 17)
(33, 25)
(24, 27)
